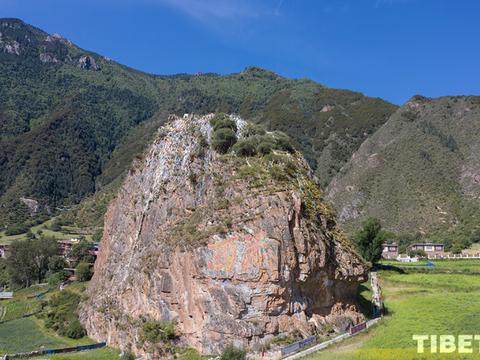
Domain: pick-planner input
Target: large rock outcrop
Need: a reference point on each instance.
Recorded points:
(233, 250)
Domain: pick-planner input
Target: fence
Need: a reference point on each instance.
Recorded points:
(326, 344)
(55, 351)
(298, 345)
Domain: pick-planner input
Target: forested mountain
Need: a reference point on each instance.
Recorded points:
(419, 173)
(71, 121)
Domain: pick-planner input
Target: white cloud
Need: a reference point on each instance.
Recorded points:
(224, 9)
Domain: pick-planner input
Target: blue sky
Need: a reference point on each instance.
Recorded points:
(387, 48)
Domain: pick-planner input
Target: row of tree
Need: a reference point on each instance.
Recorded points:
(36, 260)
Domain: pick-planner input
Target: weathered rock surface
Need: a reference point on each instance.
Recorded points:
(231, 249)
(87, 62)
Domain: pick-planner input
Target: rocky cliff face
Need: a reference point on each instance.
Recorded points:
(233, 250)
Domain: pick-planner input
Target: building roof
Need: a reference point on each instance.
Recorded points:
(426, 244)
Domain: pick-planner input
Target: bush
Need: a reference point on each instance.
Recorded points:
(16, 229)
(61, 315)
(283, 142)
(97, 235)
(223, 140)
(233, 353)
(253, 130)
(222, 121)
(57, 278)
(127, 355)
(190, 354)
(266, 146)
(56, 226)
(417, 253)
(83, 272)
(75, 330)
(245, 147)
(156, 331)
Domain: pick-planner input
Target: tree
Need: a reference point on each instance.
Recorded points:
(4, 277)
(28, 260)
(369, 240)
(83, 272)
(82, 252)
(56, 264)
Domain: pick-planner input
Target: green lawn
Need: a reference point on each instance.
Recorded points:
(418, 303)
(19, 334)
(459, 266)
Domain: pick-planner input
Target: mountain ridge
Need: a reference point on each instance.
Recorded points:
(418, 172)
(64, 113)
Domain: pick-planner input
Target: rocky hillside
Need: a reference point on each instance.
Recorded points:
(231, 247)
(420, 172)
(71, 121)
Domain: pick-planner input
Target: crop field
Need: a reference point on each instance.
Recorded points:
(418, 303)
(23, 334)
(442, 266)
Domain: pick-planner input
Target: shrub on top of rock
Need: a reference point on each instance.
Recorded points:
(223, 121)
(223, 139)
(254, 141)
(252, 130)
(262, 144)
(282, 141)
(224, 133)
(245, 147)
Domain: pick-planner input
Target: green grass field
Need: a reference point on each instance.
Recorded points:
(19, 334)
(440, 266)
(418, 303)
(67, 233)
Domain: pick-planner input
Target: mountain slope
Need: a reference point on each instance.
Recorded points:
(71, 121)
(420, 172)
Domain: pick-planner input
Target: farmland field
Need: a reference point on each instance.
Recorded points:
(452, 266)
(19, 334)
(418, 303)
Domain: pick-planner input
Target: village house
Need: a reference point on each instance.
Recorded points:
(390, 251)
(64, 247)
(432, 250)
